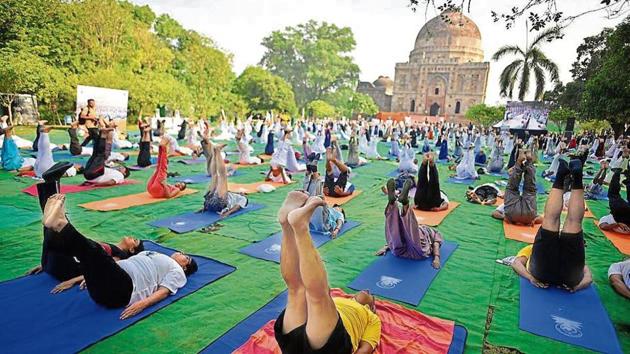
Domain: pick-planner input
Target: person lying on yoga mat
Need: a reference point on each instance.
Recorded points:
(520, 209)
(557, 255)
(158, 186)
(277, 174)
(144, 155)
(136, 283)
(428, 196)
(485, 194)
(76, 149)
(596, 188)
(405, 238)
(95, 170)
(60, 266)
(218, 199)
(11, 158)
(619, 277)
(335, 187)
(328, 220)
(619, 218)
(313, 321)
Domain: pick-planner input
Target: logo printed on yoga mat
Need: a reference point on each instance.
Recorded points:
(388, 282)
(568, 327)
(273, 249)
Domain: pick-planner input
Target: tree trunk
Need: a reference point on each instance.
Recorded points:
(617, 128)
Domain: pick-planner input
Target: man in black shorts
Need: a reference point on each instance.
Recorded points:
(313, 321)
(335, 187)
(557, 257)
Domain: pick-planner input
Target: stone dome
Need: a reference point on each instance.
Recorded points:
(449, 36)
(386, 82)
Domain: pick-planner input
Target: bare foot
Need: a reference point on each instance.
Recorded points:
(299, 218)
(436, 263)
(294, 200)
(55, 213)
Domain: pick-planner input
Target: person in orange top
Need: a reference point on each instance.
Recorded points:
(157, 186)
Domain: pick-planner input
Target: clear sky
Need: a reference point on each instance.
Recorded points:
(385, 30)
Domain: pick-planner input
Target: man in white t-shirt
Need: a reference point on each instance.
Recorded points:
(136, 283)
(619, 276)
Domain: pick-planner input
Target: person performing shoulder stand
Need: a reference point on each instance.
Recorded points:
(218, 199)
(314, 321)
(428, 196)
(520, 209)
(405, 238)
(135, 283)
(158, 186)
(557, 256)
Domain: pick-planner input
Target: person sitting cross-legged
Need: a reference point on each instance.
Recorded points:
(158, 186)
(314, 321)
(557, 255)
(135, 283)
(405, 238)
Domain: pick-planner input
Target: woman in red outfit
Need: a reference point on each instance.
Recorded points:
(157, 186)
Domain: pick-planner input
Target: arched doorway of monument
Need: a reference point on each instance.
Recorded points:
(435, 109)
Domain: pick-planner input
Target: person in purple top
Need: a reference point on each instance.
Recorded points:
(405, 238)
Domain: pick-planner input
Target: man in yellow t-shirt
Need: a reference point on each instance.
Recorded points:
(557, 255)
(313, 321)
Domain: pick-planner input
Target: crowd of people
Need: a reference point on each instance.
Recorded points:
(124, 275)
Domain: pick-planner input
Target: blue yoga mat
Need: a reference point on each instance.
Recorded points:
(602, 196)
(579, 318)
(401, 279)
(192, 221)
(239, 334)
(200, 178)
(138, 168)
(66, 155)
(504, 175)
(35, 321)
(460, 181)
(269, 248)
(540, 188)
(193, 161)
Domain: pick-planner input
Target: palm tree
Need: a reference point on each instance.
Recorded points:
(532, 59)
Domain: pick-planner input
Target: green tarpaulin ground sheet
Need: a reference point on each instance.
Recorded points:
(470, 287)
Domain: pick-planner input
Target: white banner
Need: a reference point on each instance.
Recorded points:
(110, 103)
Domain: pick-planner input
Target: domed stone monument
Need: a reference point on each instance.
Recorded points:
(445, 73)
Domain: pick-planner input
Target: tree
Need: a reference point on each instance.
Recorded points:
(24, 73)
(348, 102)
(560, 116)
(264, 91)
(320, 109)
(112, 43)
(539, 13)
(532, 59)
(485, 115)
(607, 93)
(314, 58)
